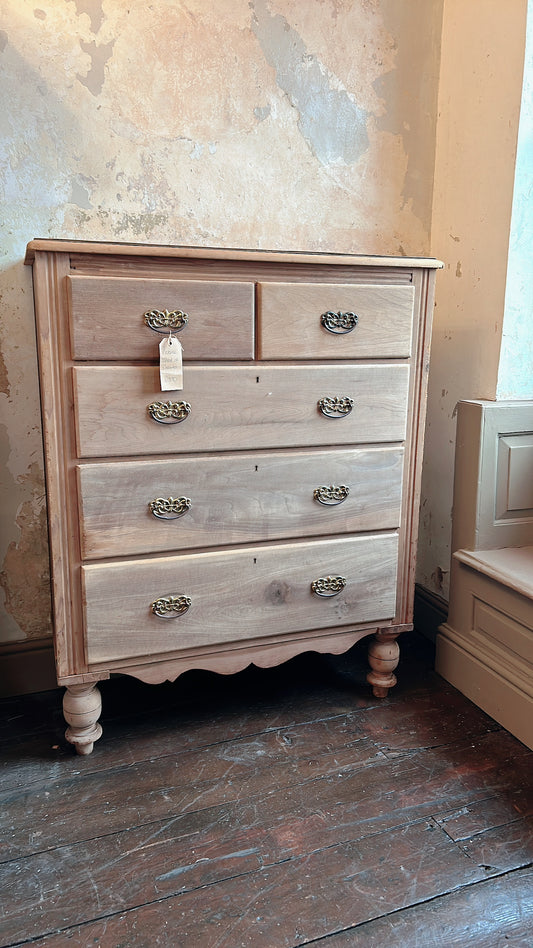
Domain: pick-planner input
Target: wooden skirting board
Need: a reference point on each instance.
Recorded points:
(430, 612)
(27, 667)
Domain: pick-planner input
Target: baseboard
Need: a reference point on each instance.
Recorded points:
(27, 667)
(430, 612)
(500, 697)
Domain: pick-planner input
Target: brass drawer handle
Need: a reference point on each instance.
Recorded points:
(336, 407)
(339, 323)
(169, 413)
(328, 586)
(332, 495)
(170, 607)
(169, 508)
(163, 321)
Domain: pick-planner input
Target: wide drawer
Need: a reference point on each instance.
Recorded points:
(233, 407)
(107, 317)
(129, 507)
(231, 596)
(335, 321)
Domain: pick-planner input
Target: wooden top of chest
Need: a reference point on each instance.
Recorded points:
(210, 253)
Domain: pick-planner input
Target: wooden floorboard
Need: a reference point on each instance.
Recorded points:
(492, 914)
(272, 808)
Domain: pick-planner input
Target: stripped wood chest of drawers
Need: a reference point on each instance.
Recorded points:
(268, 506)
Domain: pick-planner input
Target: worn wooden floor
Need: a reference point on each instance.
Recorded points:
(274, 808)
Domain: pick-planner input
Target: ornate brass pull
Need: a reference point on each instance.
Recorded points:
(335, 407)
(331, 496)
(339, 323)
(170, 607)
(169, 508)
(328, 586)
(163, 321)
(169, 413)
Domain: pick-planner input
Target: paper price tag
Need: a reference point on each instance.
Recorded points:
(170, 364)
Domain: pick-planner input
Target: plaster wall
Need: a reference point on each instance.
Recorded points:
(482, 56)
(271, 123)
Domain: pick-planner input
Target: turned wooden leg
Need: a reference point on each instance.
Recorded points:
(383, 657)
(82, 705)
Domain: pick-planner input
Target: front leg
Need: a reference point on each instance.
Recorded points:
(82, 705)
(383, 657)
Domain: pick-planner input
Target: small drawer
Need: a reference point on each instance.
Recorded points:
(168, 604)
(120, 410)
(134, 507)
(335, 321)
(111, 318)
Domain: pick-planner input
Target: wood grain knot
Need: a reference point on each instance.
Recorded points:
(278, 593)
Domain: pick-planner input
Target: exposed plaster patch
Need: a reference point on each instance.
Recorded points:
(145, 224)
(262, 112)
(4, 378)
(438, 577)
(25, 575)
(39, 14)
(94, 80)
(93, 9)
(26, 583)
(333, 126)
(79, 193)
(197, 151)
(458, 271)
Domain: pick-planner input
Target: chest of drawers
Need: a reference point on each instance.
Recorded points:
(267, 507)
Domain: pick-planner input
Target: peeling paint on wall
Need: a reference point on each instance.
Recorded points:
(80, 192)
(99, 56)
(24, 571)
(330, 121)
(262, 113)
(25, 576)
(4, 379)
(93, 9)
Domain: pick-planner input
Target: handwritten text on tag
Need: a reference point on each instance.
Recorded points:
(170, 364)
